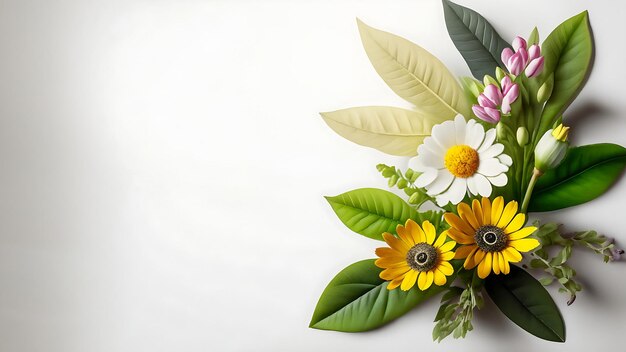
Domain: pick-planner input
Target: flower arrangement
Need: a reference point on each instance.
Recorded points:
(485, 151)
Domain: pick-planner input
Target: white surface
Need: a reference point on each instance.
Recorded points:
(164, 165)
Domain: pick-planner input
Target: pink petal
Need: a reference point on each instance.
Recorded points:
(535, 67)
(524, 54)
(480, 112)
(518, 43)
(506, 84)
(534, 52)
(493, 93)
(506, 106)
(506, 55)
(485, 102)
(512, 94)
(515, 65)
(493, 113)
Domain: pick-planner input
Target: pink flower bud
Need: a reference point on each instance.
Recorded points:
(486, 102)
(518, 43)
(506, 84)
(483, 115)
(534, 52)
(524, 55)
(506, 55)
(511, 95)
(516, 64)
(535, 67)
(493, 93)
(506, 106)
(493, 113)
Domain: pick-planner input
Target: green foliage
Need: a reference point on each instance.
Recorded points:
(405, 182)
(371, 211)
(456, 318)
(585, 173)
(525, 302)
(357, 299)
(477, 41)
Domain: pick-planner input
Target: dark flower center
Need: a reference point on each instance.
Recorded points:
(490, 238)
(422, 257)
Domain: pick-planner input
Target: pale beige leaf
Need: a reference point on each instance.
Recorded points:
(391, 130)
(414, 74)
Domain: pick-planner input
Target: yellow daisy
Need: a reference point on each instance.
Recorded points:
(415, 257)
(492, 234)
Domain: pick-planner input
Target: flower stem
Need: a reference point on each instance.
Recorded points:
(529, 190)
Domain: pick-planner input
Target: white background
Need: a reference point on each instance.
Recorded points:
(163, 167)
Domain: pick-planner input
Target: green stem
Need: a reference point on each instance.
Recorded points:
(529, 190)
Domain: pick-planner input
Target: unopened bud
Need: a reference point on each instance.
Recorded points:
(551, 148)
(487, 80)
(545, 91)
(500, 131)
(500, 74)
(522, 136)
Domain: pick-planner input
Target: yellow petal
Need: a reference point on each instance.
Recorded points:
(447, 256)
(448, 246)
(421, 280)
(495, 264)
(405, 235)
(466, 213)
(430, 276)
(518, 221)
(389, 262)
(392, 273)
(430, 231)
(388, 252)
(525, 244)
(501, 262)
(440, 278)
(478, 211)
(496, 209)
(484, 268)
(409, 280)
(525, 232)
(458, 224)
(470, 263)
(512, 255)
(440, 240)
(446, 268)
(459, 236)
(395, 283)
(507, 268)
(486, 211)
(414, 230)
(507, 215)
(464, 251)
(396, 243)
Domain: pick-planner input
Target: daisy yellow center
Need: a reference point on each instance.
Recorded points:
(461, 160)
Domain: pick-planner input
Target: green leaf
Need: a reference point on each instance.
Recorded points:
(585, 173)
(414, 74)
(533, 38)
(357, 299)
(391, 130)
(527, 303)
(567, 51)
(371, 211)
(477, 41)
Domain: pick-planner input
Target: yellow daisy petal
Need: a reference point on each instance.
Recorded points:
(430, 231)
(388, 252)
(446, 268)
(409, 280)
(389, 262)
(486, 211)
(440, 240)
(469, 261)
(525, 232)
(484, 267)
(511, 255)
(448, 246)
(478, 257)
(405, 235)
(495, 263)
(466, 213)
(525, 244)
(507, 214)
(415, 231)
(421, 281)
(506, 268)
(518, 221)
(501, 262)
(478, 211)
(464, 251)
(430, 277)
(392, 273)
(496, 210)
(459, 236)
(396, 243)
(457, 223)
(395, 283)
(440, 278)
(447, 256)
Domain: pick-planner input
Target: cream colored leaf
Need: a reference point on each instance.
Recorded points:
(391, 130)
(414, 74)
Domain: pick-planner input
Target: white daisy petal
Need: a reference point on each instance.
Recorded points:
(475, 135)
(460, 127)
(441, 183)
(492, 151)
(505, 159)
(457, 190)
(426, 178)
(431, 146)
(491, 167)
(427, 159)
(490, 137)
(442, 199)
(471, 185)
(444, 135)
(484, 187)
(499, 180)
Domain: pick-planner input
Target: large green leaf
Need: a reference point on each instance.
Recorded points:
(567, 51)
(477, 41)
(585, 173)
(391, 130)
(414, 74)
(371, 211)
(357, 299)
(527, 303)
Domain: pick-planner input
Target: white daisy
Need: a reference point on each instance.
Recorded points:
(457, 157)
